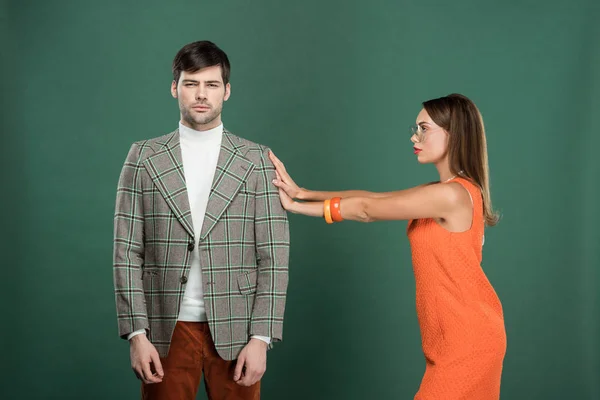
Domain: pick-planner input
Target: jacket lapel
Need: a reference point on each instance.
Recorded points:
(165, 167)
(233, 169)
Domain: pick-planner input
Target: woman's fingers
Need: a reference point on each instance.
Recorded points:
(282, 175)
(284, 180)
(280, 169)
(281, 185)
(274, 159)
(277, 162)
(277, 180)
(286, 200)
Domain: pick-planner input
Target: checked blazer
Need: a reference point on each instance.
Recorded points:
(243, 245)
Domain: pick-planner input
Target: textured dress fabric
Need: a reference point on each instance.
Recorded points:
(459, 313)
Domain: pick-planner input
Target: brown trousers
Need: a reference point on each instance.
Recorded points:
(193, 352)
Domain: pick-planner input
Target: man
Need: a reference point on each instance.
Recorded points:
(201, 246)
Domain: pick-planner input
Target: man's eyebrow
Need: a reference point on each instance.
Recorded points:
(195, 81)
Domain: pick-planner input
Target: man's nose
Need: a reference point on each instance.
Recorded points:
(201, 92)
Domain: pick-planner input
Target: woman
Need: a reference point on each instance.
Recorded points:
(460, 315)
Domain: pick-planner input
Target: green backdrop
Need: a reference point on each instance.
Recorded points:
(332, 87)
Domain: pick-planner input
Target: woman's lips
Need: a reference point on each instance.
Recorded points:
(417, 151)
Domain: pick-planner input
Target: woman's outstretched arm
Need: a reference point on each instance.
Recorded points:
(432, 201)
(294, 191)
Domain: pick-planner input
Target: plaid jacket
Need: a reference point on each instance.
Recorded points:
(244, 244)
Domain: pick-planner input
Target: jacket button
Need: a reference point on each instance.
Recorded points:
(183, 279)
(190, 246)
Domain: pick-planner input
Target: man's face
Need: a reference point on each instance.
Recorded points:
(201, 95)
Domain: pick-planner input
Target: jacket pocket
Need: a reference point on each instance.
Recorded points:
(149, 273)
(247, 282)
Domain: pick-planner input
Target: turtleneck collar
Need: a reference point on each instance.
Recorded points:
(190, 135)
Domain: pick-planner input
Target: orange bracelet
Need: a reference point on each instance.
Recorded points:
(336, 210)
(327, 211)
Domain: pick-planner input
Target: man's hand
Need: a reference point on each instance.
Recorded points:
(144, 356)
(251, 364)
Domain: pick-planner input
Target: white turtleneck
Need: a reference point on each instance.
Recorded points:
(200, 153)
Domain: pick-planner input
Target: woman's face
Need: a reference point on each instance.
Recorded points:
(430, 140)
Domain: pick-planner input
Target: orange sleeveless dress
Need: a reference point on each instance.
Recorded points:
(460, 315)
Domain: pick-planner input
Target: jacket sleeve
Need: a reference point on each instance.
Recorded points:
(128, 254)
(272, 249)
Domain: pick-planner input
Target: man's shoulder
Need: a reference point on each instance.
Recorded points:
(252, 150)
(245, 142)
(147, 147)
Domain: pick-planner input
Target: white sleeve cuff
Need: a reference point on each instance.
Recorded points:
(135, 333)
(265, 339)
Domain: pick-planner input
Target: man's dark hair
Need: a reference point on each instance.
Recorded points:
(197, 55)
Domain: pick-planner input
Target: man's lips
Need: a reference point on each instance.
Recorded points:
(201, 108)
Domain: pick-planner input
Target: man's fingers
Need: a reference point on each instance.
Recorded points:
(258, 374)
(137, 374)
(146, 373)
(148, 377)
(254, 378)
(245, 381)
(237, 374)
(252, 374)
(251, 377)
(140, 374)
(157, 364)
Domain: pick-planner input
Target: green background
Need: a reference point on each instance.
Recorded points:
(332, 87)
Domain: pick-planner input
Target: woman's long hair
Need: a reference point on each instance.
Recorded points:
(467, 148)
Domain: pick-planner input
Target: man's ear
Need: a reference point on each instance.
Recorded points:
(227, 91)
(174, 89)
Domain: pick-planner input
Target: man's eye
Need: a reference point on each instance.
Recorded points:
(190, 85)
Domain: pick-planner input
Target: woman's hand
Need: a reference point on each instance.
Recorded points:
(284, 181)
(288, 191)
(286, 201)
